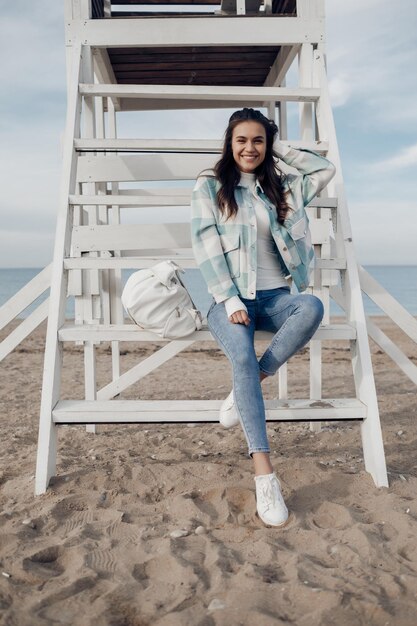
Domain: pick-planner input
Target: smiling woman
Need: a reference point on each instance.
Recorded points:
(250, 234)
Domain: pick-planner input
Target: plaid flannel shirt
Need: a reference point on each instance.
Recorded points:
(225, 251)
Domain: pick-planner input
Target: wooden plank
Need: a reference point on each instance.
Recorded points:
(388, 304)
(90, 378)
(131, 332)
(115, 275)
(162, 195)
(146, 12)
(141, 167)
(156, 2)
(371, 432)
(166, 166)
(142, 369)
(230, 75)
(150, 192)
(46, 453)
(131, 411)
(24, 329)
(283, 382)
(320, 231)
(279, 68)
(305, 66)
(286, 6)
(138, 201)
(131, 236)
(132, 262)
(163, 237)
(200, 62)
(96, 237)
(25, 296)
(185, 52)
(91, 287)
(185, 259)
(315, 377)
(196, 31)
(149, 145)
(104, 71)
(392, 350)
(156, 104)
(199, 92)
(175, 145)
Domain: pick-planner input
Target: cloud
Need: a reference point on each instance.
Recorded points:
(340, 89)
(373, 53)
(406, 158)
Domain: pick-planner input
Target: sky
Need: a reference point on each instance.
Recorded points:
(371, 52)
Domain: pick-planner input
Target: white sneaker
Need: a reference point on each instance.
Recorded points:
(269, 501)
(228, 415)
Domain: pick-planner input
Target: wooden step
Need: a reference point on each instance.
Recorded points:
(160, 197)
(131, 332)
(202, 92)
(185, 260)
(131, 411)
(149, 145)
(154, 238)
(212, 146)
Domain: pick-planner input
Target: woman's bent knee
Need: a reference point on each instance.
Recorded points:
(312, 307)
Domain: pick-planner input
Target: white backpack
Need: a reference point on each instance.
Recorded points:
(156, 299)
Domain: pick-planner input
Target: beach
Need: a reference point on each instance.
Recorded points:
(156, 525)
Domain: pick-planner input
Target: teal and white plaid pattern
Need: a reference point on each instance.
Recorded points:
(225, 251)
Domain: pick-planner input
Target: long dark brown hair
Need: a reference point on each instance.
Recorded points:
(270, 176)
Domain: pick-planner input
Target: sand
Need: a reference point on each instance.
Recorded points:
(97, 548)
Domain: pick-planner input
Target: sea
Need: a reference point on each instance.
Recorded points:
(399, 280)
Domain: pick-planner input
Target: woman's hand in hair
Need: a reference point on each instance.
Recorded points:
(240, 317)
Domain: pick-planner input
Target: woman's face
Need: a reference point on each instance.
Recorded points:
(248, 145)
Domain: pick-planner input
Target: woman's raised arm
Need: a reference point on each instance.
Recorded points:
(316, 171)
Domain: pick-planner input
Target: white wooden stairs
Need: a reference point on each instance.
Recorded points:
(93, 244)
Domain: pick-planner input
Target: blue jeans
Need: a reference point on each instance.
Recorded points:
(293, 319)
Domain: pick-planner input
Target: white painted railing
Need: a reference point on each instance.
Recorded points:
(374, 290)
(15, 305)
(398, 314)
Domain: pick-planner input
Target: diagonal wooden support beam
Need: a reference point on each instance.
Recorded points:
(392, 350)
(142, 369)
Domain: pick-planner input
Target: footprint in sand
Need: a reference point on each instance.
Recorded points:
(69, 508)
(77, 520)
(124, 533)
(44, 564)
(6, 601)
(332, 515)
(67, 604)
(166, 580)
(139, 574)
(409, 553)
(218, 506)
(102, 562)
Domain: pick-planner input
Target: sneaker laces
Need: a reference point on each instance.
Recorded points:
(269, 494)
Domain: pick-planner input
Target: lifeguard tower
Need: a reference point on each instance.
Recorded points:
(226, 55)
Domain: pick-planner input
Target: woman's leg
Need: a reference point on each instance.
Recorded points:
(237, 342)
(293, 318)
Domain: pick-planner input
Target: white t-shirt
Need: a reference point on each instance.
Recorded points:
(269, 274)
